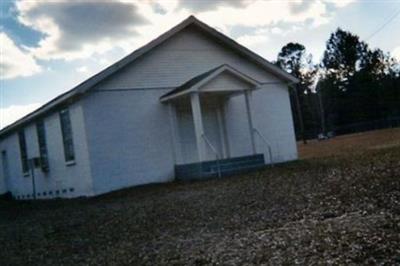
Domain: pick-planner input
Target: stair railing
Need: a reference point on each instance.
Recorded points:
(214, 150)
(266, 143)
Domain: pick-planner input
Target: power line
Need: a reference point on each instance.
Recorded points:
(383, 25)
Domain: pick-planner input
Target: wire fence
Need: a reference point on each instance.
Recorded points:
(368, 126)
(391, 122)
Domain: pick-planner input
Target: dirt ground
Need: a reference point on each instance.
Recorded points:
(352, 143)
(338, 210)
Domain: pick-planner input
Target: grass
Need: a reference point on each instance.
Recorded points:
(342, 208)
(352, 143)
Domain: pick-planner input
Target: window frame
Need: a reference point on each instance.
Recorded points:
(42, 143)
(67, 136)
(23, 152)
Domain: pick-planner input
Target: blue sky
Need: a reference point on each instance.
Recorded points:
(48, 47)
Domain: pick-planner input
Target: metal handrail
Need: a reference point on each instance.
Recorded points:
(214, 150)
(267, 143)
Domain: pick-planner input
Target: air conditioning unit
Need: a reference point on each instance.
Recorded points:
(37, 162)
(34, 162)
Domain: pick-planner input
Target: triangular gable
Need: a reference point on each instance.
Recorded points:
(201, 80)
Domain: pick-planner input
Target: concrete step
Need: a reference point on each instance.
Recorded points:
(225, 167)
(227, 163)
(237, 163)
(236, 171)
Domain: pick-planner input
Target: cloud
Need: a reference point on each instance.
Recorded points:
(15, 62)
(205, 5)
(252, 40)
(340, 3)
(277, 30)
(77, 29)
(12, 113)
(82, 69)
(396, 53)
(300, 6)
(264, 12)
(82, 28)
(261, 13)
(158, 8)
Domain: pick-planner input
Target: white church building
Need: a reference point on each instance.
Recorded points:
(190, 104)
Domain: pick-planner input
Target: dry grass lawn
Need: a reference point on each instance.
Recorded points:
(352, 143)
(338, 210)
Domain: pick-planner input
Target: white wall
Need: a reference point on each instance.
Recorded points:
(184, 56)
(69, 181)
(211, 127)
(226, 82)
(129, 131)
(3, 181)
(3, 187)
(273, 118)
(186, 132)
(237, 126)
(123, 138)
(129, 139)
(11, 146)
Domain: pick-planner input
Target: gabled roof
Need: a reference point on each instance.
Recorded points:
(83, 87)
(200, 80)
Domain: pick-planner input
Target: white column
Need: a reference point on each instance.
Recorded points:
(222, 130)
(198, 125)
(248, 100)
(176, 145)
(227, 143)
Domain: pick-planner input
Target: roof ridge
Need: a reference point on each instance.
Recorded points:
(89, 83)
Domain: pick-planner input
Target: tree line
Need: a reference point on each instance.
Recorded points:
(352, 84)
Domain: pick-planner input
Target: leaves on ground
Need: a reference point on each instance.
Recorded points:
(334, 210)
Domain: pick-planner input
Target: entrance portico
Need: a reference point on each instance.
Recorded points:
(198, 115)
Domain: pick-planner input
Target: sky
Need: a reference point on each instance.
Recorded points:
(48, 47)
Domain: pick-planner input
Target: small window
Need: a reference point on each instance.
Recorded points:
(23, 153)
(41, 135)
(66, 131)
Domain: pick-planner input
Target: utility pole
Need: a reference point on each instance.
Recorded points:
(32, 168)
(34, 163)
(299, 114)
(322, 110)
